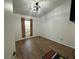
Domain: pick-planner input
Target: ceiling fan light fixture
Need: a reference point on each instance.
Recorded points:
(36, 3)
(36, 7)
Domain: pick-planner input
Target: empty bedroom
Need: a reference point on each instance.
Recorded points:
(39, 29)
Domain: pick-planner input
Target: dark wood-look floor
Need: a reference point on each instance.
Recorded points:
(36, 47)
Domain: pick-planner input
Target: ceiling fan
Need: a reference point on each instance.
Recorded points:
(36, 6)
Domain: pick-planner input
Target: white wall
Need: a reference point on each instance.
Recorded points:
(12, 29)
(36, 27)
(9, 38)
(57, 27)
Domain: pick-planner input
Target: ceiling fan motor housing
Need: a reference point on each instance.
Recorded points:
(37, 3)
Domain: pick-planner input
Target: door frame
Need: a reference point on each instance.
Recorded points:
(23, 27)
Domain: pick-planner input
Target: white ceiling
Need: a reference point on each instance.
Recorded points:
(25, 6)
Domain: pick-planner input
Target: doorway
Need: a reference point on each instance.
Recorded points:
(27, 26)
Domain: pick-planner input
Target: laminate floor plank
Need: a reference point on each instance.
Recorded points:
(37, 47)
